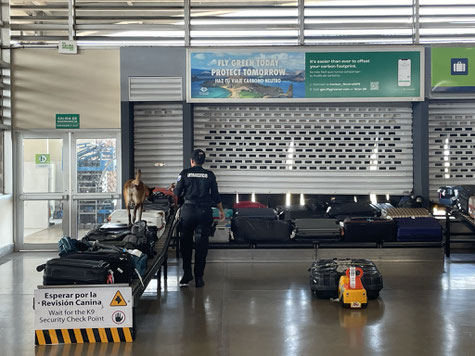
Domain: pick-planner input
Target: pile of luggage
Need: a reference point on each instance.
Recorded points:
(113, 253)
(336, 220)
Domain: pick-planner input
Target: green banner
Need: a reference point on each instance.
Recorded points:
(42, 158)
(67, 121)
(363, 74)
(452, 71)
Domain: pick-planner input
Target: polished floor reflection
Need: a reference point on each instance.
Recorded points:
(255, 308)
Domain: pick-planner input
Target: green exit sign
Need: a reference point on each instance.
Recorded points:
(67, 121)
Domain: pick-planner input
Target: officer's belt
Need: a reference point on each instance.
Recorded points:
(197, 202)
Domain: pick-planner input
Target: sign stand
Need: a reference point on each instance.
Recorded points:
(83, 314)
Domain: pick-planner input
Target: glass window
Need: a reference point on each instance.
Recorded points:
(43, 221)
(96, 165)
(93, 213)
(43, 165)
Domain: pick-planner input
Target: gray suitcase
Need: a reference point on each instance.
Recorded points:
(316, 228)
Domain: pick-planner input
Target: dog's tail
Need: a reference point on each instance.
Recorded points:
(137, 177)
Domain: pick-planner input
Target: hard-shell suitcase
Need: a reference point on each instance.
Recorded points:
(158, 205)
(256, 213)
(222, 231)
(405, 213)
(253, 230)
(418, 229)
(316, 228)
(121, 263)
(325, 275)
(342, 210)
(152, 217)
(464, 192)
(248, 204)
(63, 271)
(368, 230)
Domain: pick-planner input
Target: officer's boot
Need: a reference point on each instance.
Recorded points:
(187, 277)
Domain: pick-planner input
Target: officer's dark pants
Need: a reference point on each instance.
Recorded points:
(196, 220)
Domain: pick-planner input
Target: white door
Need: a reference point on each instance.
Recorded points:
(68, 183)
(42, 189)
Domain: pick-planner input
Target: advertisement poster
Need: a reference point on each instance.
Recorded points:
(215, 76)
(363, 74)
(247, 75)
(452, 70)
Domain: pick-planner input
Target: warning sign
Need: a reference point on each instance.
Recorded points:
(118, 300)
(83, 307)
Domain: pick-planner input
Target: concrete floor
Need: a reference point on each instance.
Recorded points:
(266, 308)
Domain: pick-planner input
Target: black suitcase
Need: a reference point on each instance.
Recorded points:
(464, 192)
(325, 276)
(256, 213)
(121, 263)
(63, 271)
(316, 228)
(342, 210)
(263, 230)
(369, 230)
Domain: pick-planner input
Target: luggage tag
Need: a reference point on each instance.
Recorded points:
(352, 277)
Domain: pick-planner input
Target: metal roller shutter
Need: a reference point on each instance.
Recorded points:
(158, 139)
(451, 144)
(308, 149)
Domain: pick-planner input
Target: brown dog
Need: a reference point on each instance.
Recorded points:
(135, 193)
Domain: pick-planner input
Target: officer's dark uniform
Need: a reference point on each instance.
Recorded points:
(199, 189)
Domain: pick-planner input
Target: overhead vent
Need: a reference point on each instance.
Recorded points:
(155, 89)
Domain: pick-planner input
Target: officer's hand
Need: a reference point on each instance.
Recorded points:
(172, 186)
(221, 216)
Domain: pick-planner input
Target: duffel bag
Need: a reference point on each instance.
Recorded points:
(342, 210)
(256, 213)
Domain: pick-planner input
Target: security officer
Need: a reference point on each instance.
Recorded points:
(199, 189)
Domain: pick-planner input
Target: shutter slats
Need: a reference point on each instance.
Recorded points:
(307, 149)
(451, 144)
(158, 138)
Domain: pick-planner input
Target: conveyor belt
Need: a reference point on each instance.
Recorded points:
(155, 264)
